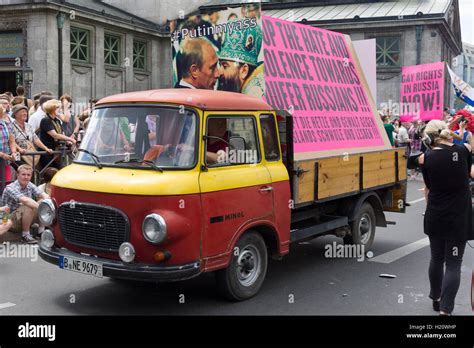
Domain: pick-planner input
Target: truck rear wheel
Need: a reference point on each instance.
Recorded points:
(244, 276)
(363, 227)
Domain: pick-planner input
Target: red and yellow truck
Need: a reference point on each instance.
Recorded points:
(151, 195)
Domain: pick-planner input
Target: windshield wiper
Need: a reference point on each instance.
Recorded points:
(94, 157)
(136, 160)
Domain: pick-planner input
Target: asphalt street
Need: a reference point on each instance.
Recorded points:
(304, 283)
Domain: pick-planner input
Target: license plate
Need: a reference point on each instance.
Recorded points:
(77, 265)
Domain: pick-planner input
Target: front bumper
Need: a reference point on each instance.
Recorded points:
(133, 271)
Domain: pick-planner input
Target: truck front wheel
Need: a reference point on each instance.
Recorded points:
(363, 227)
(246, 272)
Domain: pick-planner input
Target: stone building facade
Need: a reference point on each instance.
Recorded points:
(103, 50)
(465, 63)
(159, 11)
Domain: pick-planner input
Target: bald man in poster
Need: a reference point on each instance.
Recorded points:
(198, 64)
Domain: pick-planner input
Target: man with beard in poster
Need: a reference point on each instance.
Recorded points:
(240, 70)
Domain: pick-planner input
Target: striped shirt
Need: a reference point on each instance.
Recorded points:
(4, 134)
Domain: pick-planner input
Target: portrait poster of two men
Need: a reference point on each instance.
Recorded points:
(222, 50)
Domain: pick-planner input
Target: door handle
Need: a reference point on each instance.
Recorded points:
(266, 189)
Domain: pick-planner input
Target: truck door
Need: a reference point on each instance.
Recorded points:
(279, 174)
(236, 187)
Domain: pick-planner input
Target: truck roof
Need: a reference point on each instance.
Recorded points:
(199, 98)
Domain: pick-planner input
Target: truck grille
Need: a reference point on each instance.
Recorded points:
(93, 226)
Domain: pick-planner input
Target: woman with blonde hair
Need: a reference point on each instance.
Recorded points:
(51, 130)
(446, 169)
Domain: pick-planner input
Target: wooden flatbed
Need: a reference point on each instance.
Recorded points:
(329, 193)
(334, 177)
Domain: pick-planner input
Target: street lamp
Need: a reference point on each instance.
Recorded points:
(27, 80)
(60, 18)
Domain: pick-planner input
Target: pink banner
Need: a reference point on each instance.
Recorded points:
(421, 92)
(310, 72)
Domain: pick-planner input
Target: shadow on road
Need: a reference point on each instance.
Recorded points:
(304, 270)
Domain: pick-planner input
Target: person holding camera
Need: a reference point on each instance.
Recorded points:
(462, 135)
(446, 169)
(70, 121)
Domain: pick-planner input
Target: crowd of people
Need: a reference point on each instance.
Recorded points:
(44, 125)
(409, 135)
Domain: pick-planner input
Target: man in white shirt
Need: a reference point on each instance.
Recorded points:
(35, 119)
(402, 136)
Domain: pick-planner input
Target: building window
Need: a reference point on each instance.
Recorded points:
(112, 50)
(80, 44)
(388, 51)
(139, 55)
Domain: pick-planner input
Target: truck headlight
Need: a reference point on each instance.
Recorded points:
(154, 228)
(47, 239)
(46, 212)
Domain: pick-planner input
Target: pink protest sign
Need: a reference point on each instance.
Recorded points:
(421, 92)
(311, 73)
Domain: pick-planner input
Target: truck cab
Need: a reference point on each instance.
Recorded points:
(169, 184)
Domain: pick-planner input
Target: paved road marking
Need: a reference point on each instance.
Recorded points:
(6, 305)
(403, 251)
(417, 200)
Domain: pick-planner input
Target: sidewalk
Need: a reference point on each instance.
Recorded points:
(10, 237)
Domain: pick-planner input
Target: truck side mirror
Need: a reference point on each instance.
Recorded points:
(237, 143)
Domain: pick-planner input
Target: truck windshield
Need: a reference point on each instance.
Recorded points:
(131, 136)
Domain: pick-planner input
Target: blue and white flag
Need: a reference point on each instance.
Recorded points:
(462, 89)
